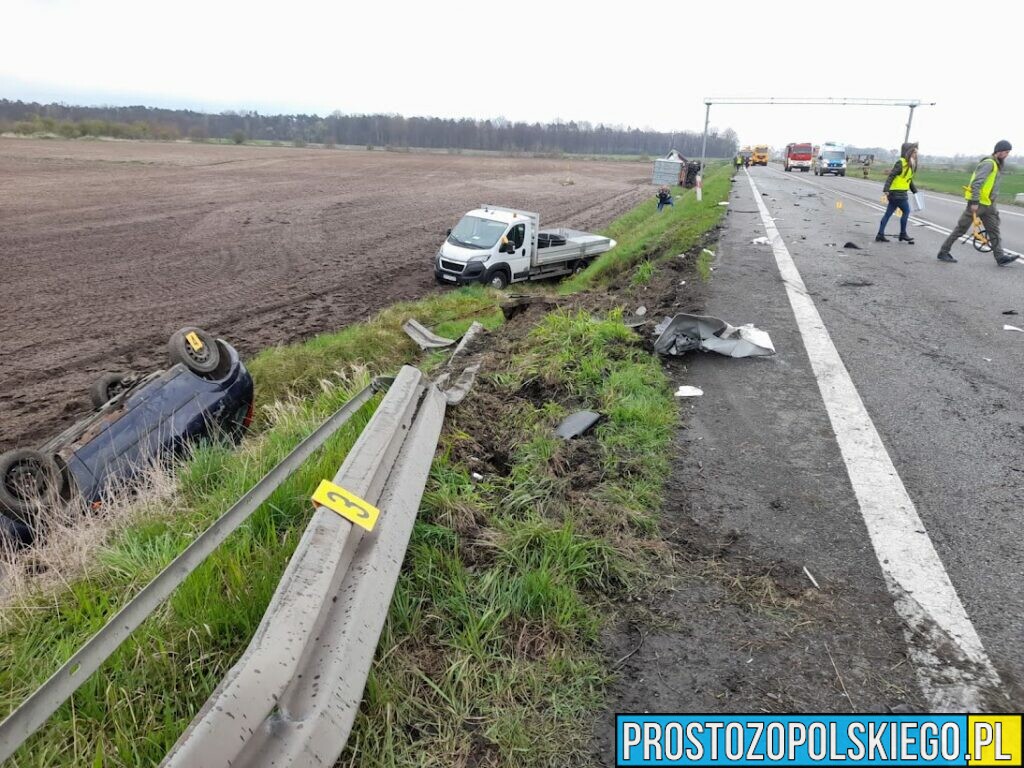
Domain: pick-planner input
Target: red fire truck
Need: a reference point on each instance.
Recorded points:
(798, 156)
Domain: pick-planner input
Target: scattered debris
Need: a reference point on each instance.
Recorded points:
(477, 476)
(708, 251)
(641, 311)
(760, 241)
(424, 338)
(686, 391)
(1012, 328)
(851, 244)
(987, 359)
(682, 282)
(723, 202)
(577, 424)
(813, 580)
(685, 332)
(764, 194)
(1011, 312)
(855, 283)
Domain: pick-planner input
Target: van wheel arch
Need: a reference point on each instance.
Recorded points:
(499, 277)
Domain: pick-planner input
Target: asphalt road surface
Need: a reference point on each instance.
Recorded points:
(886, 432)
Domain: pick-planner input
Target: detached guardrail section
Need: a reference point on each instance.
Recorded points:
(292, 697)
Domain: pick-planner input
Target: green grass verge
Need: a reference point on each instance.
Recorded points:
(489, 651)
(644, 234)
(491, 655)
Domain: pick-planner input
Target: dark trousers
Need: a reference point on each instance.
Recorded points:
(989, 216)
(896, 201)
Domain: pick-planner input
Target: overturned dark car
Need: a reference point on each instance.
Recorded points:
(206, 393)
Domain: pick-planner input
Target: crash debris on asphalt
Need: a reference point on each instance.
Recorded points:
(684, 332)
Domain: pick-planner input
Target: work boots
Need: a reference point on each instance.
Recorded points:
(904, 237)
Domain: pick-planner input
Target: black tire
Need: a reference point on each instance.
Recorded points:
(498, 280)
(28, 482)
(107, 387)
(982, 247)
(203, 361)
(842, 173)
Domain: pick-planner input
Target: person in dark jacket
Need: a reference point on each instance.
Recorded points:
(981, 192)
(899, 185)
(664, 198)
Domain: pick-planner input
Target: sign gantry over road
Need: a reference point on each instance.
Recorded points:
(827, 101)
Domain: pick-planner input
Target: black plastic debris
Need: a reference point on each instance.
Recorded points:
(1011, 312)
(577, 424)
(850, 244)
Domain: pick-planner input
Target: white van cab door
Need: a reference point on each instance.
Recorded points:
(519, 259)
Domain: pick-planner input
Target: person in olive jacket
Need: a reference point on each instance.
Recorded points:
(981, 192)
(898, 187)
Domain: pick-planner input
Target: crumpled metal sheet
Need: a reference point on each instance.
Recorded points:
(684, 332)
(577, 424)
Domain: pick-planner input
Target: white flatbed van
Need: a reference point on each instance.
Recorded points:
(498, 246)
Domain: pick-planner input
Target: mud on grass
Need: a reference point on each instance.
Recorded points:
(492, 643)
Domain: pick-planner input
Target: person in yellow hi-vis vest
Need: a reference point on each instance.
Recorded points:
(981, 193)
(897, 190)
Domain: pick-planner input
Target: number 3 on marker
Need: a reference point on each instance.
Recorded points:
(346, 504)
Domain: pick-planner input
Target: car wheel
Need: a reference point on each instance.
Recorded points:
(195, 349)
(107, 387)
(499, 280)
(28, 480)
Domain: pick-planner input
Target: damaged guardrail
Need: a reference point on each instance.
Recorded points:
(37, 708)
(292, 697)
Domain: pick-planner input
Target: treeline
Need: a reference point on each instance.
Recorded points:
(370, 130)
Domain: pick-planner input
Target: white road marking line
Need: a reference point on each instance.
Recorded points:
(953, 668)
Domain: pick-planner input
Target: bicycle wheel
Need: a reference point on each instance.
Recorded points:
(981, 243)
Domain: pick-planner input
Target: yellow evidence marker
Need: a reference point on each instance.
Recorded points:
(346, 504)
(194, 341)
(839, 205)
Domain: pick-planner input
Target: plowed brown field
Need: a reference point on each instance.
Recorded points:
(108, 247)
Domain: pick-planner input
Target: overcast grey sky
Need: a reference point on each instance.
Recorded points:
(648, 65)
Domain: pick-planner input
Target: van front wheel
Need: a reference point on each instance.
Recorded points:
(499, 280)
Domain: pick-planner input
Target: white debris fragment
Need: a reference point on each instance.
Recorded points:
(1012, 328)
(760, 241)
(686, 391)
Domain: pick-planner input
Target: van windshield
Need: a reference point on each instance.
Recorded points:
(833, 155)
(474, 232)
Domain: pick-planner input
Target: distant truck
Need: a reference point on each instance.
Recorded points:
(760, 155)
(798, 156)
(830, 158)
(497, 246)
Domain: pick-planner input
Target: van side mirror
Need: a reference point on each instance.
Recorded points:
(508, 247)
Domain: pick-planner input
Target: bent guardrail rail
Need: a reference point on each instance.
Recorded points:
(37, 708)
(292, 697)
